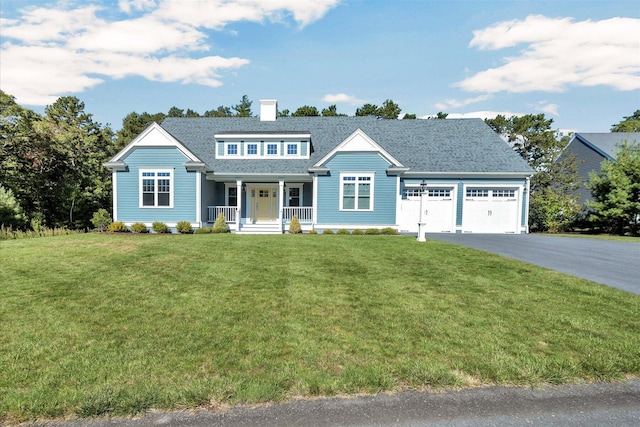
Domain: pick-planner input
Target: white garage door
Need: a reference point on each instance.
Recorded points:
(438, 207)
(490, 210)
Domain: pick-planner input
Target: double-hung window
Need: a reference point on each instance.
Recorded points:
(156, 188)
(356, 192)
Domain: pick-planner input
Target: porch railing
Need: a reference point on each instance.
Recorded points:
(229, 213)
(305, 214)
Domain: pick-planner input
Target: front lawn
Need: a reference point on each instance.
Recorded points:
(118, 324)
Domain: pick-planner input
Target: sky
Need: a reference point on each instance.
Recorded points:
(578, 62)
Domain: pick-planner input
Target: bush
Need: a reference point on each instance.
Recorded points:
(184, 227)
(372, 231)
(220, 226)
(357, 232)
(139, 227)
(313, 231)
(343, 231)
(101, 220)
(389, 231)
(11, 214)
(118, 227)
(160, 227)
(328, 231)
(294, 227)
(203, 230)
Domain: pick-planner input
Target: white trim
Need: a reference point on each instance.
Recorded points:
(359, 141)
(265, 136)
(460, 175)
(238, 149)
(285, 149)
(527, 201)
(315, 198)
(357, 176)
(148, 138)
(155, 171)
(198, 198)
(114, 185)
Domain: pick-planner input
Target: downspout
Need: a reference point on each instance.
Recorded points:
(526, 216)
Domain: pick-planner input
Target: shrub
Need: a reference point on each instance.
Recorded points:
(372, 231)
(357, 232)
(11, 214)
(343, 231)
(313, 231)
(119, 227)
(184, 227)
(328, 231)
(139, 227)
(101, 220)
(160, 227)
(203, 230)
(389, 231)
(294, 227)
(220, 226)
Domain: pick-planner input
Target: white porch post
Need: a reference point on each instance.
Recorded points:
(238, 203)
(421, 223)
(281, 203)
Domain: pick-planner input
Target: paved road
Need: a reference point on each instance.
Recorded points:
(581, 405)
(613, 263)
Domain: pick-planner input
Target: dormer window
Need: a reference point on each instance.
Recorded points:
(292, 149)
(257, 145)
(272, 149)
(232, 149)
(252, 149)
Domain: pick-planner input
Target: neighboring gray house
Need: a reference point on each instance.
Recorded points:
(330, 172)
(591, 149)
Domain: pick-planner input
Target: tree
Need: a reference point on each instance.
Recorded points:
(441, 115)
(11, 214)
(175, 112)
(284, 113)
(389, 110)
(409, 117)
(191, 113)
(243, 109)
(306, 111)
(331, 111)
(616, 191)
(629, 124)
(368, 110)
(221, 111)
(531, 136)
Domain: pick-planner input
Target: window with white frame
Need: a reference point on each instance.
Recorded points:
(292, 149)
(156, 188)
(272, 149)
(232, 149)
(252, 149)
(356, 192)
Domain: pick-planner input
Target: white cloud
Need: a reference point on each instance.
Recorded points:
(560, 53)
(547, 108)
(67, 48)
(454, 103)
(342, 98)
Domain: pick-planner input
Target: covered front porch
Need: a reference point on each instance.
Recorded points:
(253, 206)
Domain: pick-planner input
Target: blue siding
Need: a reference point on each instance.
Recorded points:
(304, 148)
(524, 207)
(184, 186)
(208, 197)
(220, 148)
(384, 203)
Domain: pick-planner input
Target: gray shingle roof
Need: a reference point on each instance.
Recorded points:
(450, 145)
(606, 142)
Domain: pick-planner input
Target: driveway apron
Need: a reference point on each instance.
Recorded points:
(613, 263)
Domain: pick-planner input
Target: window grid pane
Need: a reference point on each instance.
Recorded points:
(292, 149)
(272, 149)
(252, 149)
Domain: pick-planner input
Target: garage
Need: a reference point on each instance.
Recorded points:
(438, 207)
(490, 210)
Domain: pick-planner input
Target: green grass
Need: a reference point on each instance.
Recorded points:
(118, 324)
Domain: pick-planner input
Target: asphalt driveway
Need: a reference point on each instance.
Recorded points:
(613, 263)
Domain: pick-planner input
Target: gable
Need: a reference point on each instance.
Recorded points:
(360, 142)
(154, 136)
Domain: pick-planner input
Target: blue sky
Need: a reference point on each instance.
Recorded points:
(576, 61)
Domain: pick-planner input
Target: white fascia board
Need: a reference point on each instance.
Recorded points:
(154, 136)
(359, 141)
(467, 174)
(243, 136)
(265, 177)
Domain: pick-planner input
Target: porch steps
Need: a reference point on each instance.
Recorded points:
(260, 229)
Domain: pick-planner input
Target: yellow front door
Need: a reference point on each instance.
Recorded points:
(264, 204)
